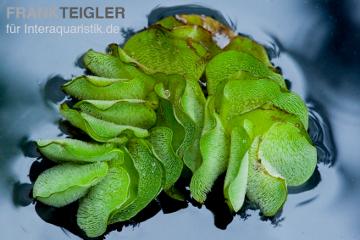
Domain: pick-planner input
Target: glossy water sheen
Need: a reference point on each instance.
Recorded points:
(316, 44)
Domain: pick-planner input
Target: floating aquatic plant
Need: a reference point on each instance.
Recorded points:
(151, 122)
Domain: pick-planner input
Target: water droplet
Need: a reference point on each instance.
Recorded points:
(167, 93)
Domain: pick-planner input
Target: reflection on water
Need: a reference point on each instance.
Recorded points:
(22, 194)
(326, 73)
(52, 89)
(321, 134)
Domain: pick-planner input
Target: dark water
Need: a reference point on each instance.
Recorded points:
(316, 44)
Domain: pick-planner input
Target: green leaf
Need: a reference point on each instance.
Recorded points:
(189, 149)
(268, 192)
(288, 152)
(175, 193)
(99, 88)
(169, 22)
(127, 59)
(242, 96)
(129, 166)
(105, 65)
(208, 23)
(72, 150)
(173, 88)
(104, 198)
(261, 119)
(202, 29)
(249, 46)
(214, 147)
(100, 130)
(166, 118)
(292, 103)
(198, 34)
(157, 50)
(238, 76)
(193, 105)
(65, 183)
(130, 112)
(112, 65)
(227, 63)
(237, 171)
(150, 179)
(160, 141)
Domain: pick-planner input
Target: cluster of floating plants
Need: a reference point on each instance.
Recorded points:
(170, 102)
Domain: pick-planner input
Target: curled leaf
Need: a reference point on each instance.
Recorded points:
(63, 184)
(249, 46)
(208, 23)
(100, 130)
(72, 150)
(169, 22)
(129, 166)
(104, 198)
(105, 65)
(160, 140)
(166, 118)
(150, 180)
(265, 190)
(127, 59)
(130, 112)
(242, 96)
(172, 89)
(214, 147)
(261, 119)
(237, 171)
(292, 103)
(157, 50)
(198, 34)
(193, 104)
(202, 30)
(287, 151)
(99, 88)
(227, 63)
